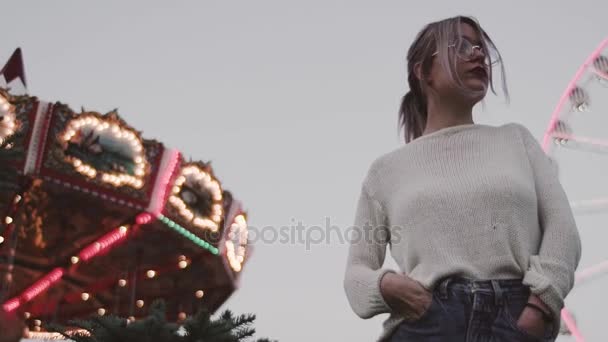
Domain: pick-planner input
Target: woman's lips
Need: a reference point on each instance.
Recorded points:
(479, 72)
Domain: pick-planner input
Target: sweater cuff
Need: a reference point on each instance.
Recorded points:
(541, 286)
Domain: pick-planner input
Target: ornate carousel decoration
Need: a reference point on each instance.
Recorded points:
(96, 219)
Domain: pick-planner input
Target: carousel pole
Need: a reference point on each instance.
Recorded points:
(135, 271)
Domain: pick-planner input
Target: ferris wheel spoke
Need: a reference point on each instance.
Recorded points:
(583, 143)
(586, 274)
(589, 206)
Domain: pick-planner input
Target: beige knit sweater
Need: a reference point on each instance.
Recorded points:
(473, 200)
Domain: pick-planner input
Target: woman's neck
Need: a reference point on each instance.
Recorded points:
(441, 114)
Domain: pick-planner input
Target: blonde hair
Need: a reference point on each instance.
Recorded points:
(435, 37)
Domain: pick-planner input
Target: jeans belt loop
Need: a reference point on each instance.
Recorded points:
(498, 292)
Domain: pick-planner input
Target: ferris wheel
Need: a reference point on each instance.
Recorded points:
(576, 138)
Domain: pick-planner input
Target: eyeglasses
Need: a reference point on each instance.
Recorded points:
(465, 50)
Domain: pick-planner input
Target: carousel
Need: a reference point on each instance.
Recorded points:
(98, 220)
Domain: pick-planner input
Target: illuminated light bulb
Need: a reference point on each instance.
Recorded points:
(182, 264)
(131, 319)
(122, 229)
(199, 294)
(101, 311)
(37, 323)
(151, 274)
(122, 283)
(140, 303)
(181, 316)
(85, 296)
(1, 239)
(26, 315)
(8, 220)
(74, 260)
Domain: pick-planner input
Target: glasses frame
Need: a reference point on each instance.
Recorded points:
(472, 54)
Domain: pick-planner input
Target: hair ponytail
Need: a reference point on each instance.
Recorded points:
(412, 112)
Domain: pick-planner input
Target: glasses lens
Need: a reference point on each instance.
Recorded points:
(464, 49)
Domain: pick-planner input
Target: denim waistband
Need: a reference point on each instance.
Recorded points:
(498, 288)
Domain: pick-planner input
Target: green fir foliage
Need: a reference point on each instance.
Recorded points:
(155, 328)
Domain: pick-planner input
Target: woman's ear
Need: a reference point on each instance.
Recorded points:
(418, 71)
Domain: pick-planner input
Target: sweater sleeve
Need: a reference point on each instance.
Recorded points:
(550, 274)
(365, 258)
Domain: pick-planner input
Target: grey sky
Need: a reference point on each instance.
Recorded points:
(292, 101)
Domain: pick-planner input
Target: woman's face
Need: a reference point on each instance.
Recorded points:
(471, 69)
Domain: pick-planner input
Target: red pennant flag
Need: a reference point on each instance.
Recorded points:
(14, 69)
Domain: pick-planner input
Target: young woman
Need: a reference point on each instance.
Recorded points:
(475, 215)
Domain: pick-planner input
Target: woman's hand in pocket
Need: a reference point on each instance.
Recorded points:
(405, 296)
(531, 321)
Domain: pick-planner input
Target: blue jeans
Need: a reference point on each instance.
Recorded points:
(465, 310)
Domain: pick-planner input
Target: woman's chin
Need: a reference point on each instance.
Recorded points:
(478, 87)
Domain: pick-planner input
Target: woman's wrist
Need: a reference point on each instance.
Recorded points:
(387, 288)
(537, 304)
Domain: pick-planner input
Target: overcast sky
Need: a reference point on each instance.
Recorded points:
(291, 102)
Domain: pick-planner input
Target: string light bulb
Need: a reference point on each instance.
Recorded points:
(85, 296)
(199, 294)
(236, 245)
(123, 136)
(101, 311)
(195, 177)
(74, 260)
(8, 220)
(151, 274)
(122, 283)
(140, 303)
(8, 120)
